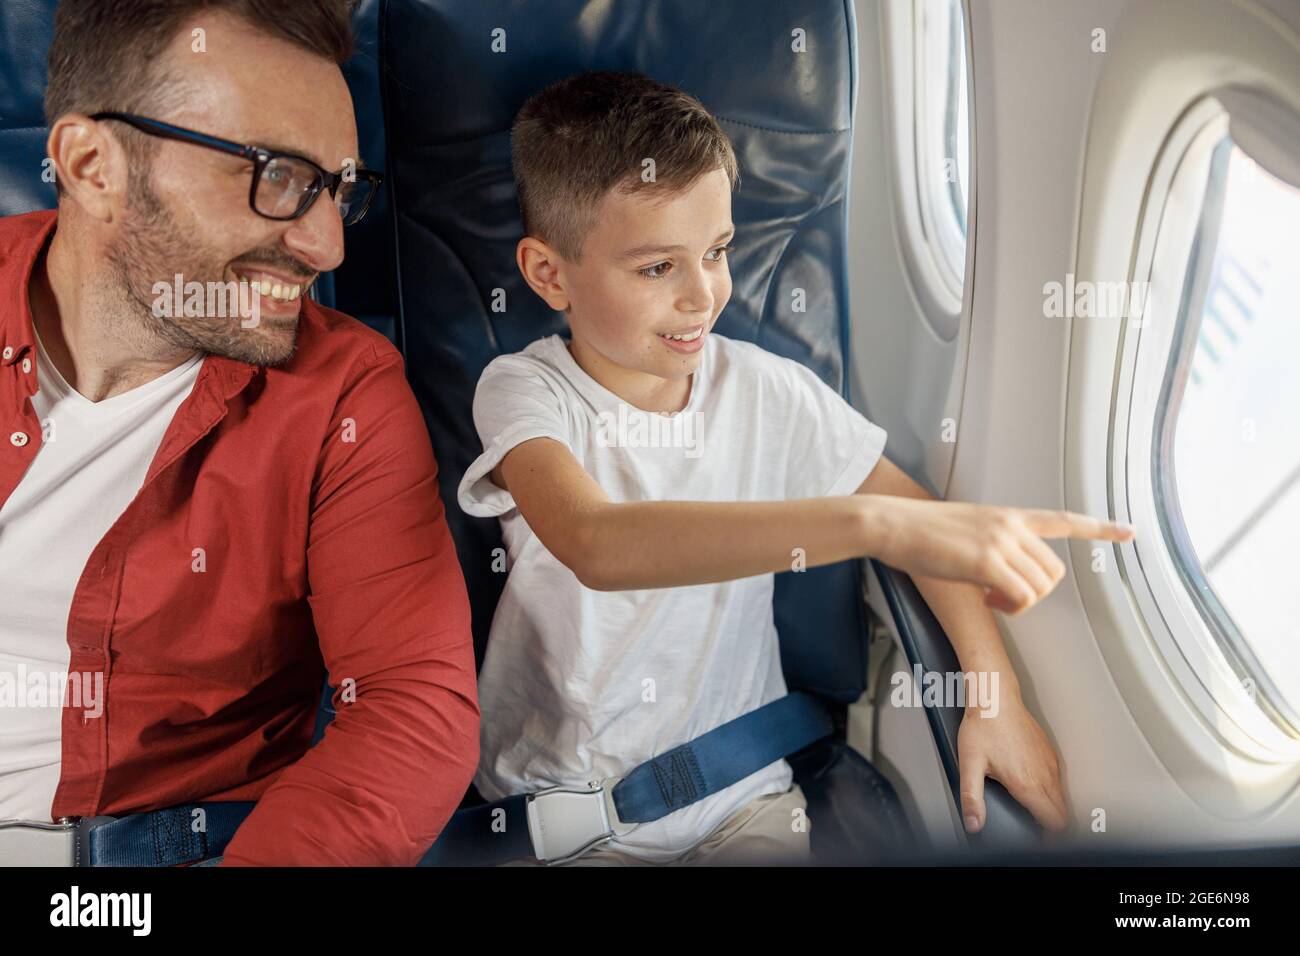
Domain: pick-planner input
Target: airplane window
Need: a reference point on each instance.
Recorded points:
(942, 132)
(1226, 464)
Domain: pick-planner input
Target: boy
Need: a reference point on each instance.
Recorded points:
(638, 610)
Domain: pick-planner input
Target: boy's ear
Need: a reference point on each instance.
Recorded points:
(540, 266)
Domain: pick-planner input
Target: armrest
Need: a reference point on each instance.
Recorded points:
(1007, 823)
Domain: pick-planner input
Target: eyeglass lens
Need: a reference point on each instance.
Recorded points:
(288, 184)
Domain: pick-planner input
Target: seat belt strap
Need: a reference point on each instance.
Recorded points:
(498, 832)
(723, 756)
(165, 837)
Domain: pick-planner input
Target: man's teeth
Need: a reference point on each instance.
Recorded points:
(688, 337)
(282, 292)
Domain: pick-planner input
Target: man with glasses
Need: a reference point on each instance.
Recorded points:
(203, 512)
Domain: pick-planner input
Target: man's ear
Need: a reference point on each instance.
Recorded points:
(541, 269)
(89, 163)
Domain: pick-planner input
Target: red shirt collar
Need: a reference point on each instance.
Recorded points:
(21, 240)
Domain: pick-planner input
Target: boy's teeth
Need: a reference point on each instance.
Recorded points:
(688, 337)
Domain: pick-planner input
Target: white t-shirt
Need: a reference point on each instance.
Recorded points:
(579, 685)
(92, 461)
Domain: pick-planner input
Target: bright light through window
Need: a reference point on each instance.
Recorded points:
(1236, 449)
(943, 132)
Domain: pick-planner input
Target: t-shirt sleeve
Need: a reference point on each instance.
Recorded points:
(513, 403)
(834, 447)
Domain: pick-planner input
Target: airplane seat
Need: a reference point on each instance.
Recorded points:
(448, 76)
(26, 27)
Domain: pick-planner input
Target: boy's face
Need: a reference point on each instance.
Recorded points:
(654, 265)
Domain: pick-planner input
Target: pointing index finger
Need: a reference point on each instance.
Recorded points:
(1069, 524)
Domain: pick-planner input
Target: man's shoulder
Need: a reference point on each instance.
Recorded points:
(333, 357)
(328, 338)
(17, 233)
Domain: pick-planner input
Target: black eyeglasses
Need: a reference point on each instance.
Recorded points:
(284, 184)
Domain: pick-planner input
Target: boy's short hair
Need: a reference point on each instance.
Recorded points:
(583, 136)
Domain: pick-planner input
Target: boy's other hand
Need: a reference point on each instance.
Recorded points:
(1011, 748)
(1000, 549)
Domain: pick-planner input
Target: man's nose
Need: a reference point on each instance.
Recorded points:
(316, 237)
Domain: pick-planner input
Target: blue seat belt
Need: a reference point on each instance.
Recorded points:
(164, 837)
(675, 779)
(498, 832)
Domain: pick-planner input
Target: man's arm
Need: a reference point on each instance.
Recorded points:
(1010, 747)
(390, 608)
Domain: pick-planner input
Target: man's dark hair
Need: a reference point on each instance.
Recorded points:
(104, 54)
(580, 137)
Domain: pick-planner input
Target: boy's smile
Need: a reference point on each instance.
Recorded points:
(686, 342)
(647, 289)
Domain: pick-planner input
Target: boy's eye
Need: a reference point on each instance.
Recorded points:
(661, 269)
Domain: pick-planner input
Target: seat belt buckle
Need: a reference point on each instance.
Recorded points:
(38, 842)
(566, 822)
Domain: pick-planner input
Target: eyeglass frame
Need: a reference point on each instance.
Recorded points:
(260, 157)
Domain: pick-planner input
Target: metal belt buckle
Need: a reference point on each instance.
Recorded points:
(566, 822)
(38, 843)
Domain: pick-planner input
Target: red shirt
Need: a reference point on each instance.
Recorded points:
(321, 552)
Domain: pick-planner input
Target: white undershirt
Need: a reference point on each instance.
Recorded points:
(92, 461)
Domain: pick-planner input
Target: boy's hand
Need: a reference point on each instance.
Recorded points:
(1000, 549)
(1013, 750)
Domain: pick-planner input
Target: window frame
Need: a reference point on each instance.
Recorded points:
(1237, 652)
(1171, 55)
(1176, 239)
(923, 232)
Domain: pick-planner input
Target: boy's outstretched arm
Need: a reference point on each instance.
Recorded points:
(1006, 743)
(618, 546)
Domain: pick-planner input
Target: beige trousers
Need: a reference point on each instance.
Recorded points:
(767, 831)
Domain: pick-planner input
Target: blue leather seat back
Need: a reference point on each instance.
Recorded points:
(26, 27)
(448, 98)
(367, 281)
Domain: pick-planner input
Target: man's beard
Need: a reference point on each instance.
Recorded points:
(154, 248)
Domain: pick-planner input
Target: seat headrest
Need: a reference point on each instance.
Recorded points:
(26, 182)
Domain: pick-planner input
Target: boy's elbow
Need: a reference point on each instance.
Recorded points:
(592, 573)
(586, 557)
(595, 580)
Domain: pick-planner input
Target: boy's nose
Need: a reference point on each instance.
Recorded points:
(697, 295)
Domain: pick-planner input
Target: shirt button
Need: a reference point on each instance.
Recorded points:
(27, 365)
(18, 439)
(9, 352)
